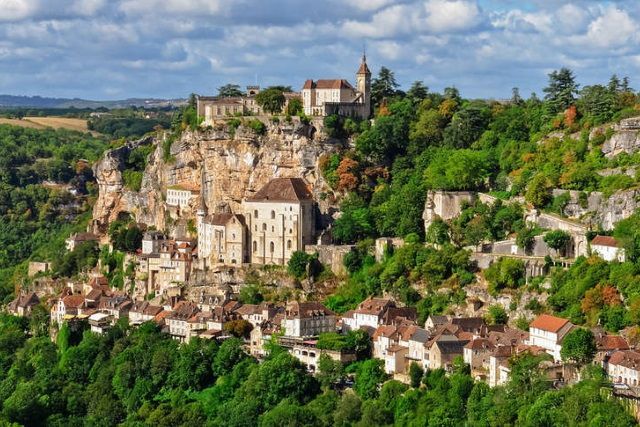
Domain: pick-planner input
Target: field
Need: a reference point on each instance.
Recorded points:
(45, 122)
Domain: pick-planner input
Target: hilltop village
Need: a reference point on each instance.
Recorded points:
(249, 223)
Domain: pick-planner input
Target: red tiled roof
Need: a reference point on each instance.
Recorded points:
(611, 342)
(605, 241)
(548, 323)
(480, 344)
(73, 301)
(626, 358)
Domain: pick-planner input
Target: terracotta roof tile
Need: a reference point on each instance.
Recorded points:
(548, 323)
(605, 241)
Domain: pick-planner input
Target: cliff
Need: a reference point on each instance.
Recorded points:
(228, 166)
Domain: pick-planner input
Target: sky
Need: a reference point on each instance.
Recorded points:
(115, 49)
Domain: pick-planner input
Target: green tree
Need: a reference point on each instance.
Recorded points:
(230, 90)
(294, 107)
(418, 91)
(271, 100)
(330, 371)
(538, 191)
(416, 372)
(369, 376)
(561, 90)
(557, 239)
(579, 346)
(383, 86)
(497, 315)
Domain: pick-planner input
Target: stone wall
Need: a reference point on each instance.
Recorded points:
(331, 255)
(534, 266)
(445, 205)
(37, 267)
(384, 243)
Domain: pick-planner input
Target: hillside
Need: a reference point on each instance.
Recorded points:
(44, 102)
(79, 125)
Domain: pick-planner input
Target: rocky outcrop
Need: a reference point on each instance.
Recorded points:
(595, 209)
(625, 139)
(228, 166)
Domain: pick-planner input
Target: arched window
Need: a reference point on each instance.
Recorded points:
(273, 214)
(272, 247)
(264, 227)
(288, 244)
(255, 246)
(255, 213)
(273, 229)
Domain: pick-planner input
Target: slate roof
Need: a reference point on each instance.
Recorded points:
(305, 310)
(283, 190)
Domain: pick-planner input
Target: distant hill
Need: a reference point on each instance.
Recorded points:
(12, 101)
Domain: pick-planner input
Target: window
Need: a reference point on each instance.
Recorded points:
(255, 246)
(264, 227)
(255, 213)
(273, 214)
(288, 244)
(271, 247)
(273, 229)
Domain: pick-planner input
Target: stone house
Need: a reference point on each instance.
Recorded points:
(169, 267)
(444, 350)
(477, 352)
(607, 344)
(608, 248)
(308, 353)
(78, 238)
(117, 306)
(499, 365)
(151, 242)
(222, 238)
(548, 331)
(262, 334)
(337, 96)
(23, 304)
(66, 307)
(257, 314)
(307, 319)
(374, 312)
(281, 219)
(623, 367)
(178, 320)
(143, 311)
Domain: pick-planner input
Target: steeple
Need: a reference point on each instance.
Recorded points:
(364, 69)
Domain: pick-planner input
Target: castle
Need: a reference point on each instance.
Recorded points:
(322, 97)
(337, 96)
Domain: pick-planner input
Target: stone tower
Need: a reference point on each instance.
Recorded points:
(363, 85)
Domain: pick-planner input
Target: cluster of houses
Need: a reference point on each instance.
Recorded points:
(396, 337)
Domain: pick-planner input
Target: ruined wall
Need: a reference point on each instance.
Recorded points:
(445, 205)
(331, 255)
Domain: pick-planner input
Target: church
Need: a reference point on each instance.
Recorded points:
(337, 96)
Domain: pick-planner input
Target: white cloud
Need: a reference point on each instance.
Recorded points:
(449, 16)
(12, 10)
(368, 5)
(614, 28)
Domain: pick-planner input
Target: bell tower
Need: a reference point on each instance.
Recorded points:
(363, 85)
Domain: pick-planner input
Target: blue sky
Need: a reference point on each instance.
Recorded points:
(112, 49)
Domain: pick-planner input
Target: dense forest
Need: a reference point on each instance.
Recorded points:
(46, 184)
(142, 377)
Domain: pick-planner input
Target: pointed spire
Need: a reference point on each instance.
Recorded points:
(364, 69)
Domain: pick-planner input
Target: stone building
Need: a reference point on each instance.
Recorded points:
(547, 332)
(307, 319)
(222, 238)
(337, 96)
(280, 219)
(212, 107)
(608, 248)
(181, 195)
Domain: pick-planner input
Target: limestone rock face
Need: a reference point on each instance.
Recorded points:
(227, 166)
(626, 138)
(599, 210)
